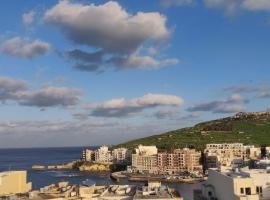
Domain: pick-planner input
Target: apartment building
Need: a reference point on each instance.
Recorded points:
(103, 155)
(121, 155)
(180, 160)
(14, 182)
(145, 159)
(225, 154)
(88, 155)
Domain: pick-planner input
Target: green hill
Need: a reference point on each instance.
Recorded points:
(247, 128)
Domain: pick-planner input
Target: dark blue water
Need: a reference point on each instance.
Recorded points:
(24, 159)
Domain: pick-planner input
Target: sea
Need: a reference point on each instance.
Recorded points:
(24, 159)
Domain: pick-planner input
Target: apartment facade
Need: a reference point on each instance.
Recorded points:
(225, 154)
(14, 182)
(145, 159)
(228, 186)
(88, 155)
(180, 160)
(103, 155)
(121, 155)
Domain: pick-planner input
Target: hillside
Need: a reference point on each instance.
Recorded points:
(247, 128)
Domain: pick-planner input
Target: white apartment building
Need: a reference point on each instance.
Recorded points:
(261, 178)
(228, 186)
(225, 154)
(103, 155)
(145, 159)
(121, 155)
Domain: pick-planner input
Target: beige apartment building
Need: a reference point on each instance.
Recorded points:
(145, 159)
(14, 182)
(180, 160)
(88, 155)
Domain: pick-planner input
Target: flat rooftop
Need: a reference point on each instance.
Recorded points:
(160, 193)
(120, 190)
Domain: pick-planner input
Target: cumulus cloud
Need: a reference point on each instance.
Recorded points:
(168, 3)
(10, 87)
(116, 35)
(24, 48)
(122, 107)
(28, 18)
(115, 30)
(235, 103)
(50, 97)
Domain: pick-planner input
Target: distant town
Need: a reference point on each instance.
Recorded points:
(228, 171)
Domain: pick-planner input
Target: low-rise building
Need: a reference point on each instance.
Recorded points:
(261, 179)
(228, 185)
(14, 182)
(154, 190)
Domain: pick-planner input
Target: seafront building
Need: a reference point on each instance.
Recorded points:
(121, 155)
(14, 182)
(180, 160)
(103, 155)
(145, 160)
(148, 160)
(88, 155)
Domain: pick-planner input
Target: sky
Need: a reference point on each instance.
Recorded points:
(82, 72)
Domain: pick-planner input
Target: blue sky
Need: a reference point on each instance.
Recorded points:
(83, 72)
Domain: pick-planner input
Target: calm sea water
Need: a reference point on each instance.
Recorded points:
(24, 159)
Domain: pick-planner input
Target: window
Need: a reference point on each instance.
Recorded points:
(259, 189)
(248, 191)
(242, 190)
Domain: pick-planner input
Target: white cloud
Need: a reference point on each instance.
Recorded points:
(9, 88)
(50, 97)
(24, 48)
(122, 107)
(116, 36)
(234, 103)
(256, 5)
(231, 7)
(28, 18)
(116, 30)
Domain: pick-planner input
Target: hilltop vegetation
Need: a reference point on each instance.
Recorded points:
(247, 128)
